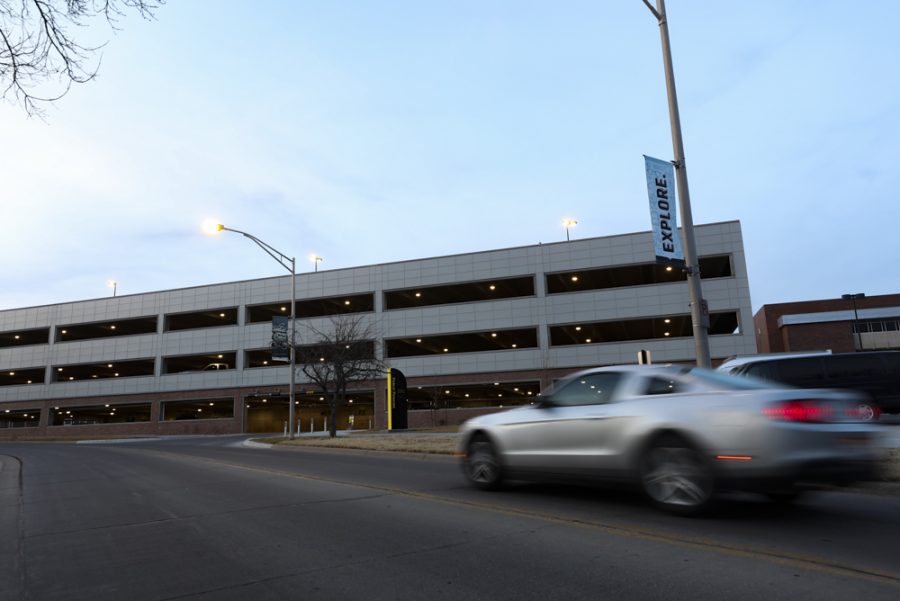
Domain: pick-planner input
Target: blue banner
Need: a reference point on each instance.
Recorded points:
(281, 348)
(661, 189)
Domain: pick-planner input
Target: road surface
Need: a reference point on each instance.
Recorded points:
(209, 519)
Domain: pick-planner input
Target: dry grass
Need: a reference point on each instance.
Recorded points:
(438, 444)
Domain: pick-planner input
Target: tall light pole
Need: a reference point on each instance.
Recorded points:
(114, 285)
(692, 265)
(315, 259)
(852, 298)
(568, 223)
(290, 264)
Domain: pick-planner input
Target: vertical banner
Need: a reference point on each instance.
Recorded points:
(661, 189)
(396, 400)
(281, 350)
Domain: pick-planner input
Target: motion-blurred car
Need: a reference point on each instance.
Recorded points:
(682, 434)
(875, 374)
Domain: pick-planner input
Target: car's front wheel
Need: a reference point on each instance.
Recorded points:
(676, 476)
(482, 464)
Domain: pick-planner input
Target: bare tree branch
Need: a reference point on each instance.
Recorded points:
(40, 58)
(339, 356)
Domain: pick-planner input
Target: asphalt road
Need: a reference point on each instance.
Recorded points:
(207, 519)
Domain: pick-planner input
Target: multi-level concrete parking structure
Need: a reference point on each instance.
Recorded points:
(472, 332)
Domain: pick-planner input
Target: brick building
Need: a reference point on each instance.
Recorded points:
(841, 325)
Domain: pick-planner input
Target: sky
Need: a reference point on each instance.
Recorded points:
(369, 132)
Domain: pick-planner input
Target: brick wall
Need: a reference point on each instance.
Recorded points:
(837, 336)
(770, 338)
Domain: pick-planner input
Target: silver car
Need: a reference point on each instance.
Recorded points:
(682, 434)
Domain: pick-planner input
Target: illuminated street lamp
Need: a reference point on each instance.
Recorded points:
(315, 259)
(290, 264)
(113, 284)
(568, 223)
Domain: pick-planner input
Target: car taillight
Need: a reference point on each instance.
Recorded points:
(808, 411)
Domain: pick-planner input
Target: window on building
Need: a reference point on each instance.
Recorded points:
(106, 329)
(20, 377)
(446, 397)
(314, 307)
(470, 342)
(464, 292)
(107, 413)
(671, 326)
(633, 275)
(875, 326)
(105, 369)
(222, 408)
(16, 338)
(209, 318)
(199, 363)
(261, 358)
(359, 350)
(19, 418)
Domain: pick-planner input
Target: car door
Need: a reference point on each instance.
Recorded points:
(565, 434)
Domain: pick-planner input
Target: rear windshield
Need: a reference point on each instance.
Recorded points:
(722, 381)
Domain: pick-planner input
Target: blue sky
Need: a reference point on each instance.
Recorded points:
(370, 132)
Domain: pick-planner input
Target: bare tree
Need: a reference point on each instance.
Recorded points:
(40, 58)
(339, 355)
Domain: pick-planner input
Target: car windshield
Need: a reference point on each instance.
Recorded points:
(722, 380)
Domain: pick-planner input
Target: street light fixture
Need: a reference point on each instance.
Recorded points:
(315, 259)
(568, 223)
(114, 285)
(852, 298)
(699, 321)
(290, 264)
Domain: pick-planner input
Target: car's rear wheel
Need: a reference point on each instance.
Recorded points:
(482, 463)
(867, 412)
(677, 477)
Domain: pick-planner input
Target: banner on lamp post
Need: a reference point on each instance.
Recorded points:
(281, 348)
(661, 190)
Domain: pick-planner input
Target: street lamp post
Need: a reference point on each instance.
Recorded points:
(692, 266)
(852, 298)
(284, 261)
(568, 223)
(315, 259)
(114, 285)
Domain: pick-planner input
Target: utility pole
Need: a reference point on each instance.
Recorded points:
(699, 315)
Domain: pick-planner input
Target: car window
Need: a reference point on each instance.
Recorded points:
(802, 371)
(657, 385)
(589, 389)
(722, 381)
(766, 370)
(892, 362)
(853, 366)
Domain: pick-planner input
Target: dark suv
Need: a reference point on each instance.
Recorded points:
(875, 373)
